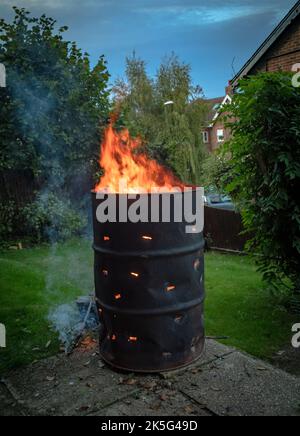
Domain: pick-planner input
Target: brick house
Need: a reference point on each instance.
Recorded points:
(215, 133)
(279, 52)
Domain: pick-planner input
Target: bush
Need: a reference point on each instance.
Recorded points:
(52, 219)
(8, 218)
(265, 171)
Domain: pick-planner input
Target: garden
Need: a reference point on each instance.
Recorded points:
(53, 113)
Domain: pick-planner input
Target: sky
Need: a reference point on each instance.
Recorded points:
(216, 37)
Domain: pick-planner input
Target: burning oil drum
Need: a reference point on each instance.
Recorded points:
(149, 279)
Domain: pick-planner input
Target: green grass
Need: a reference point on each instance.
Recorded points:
(33, 281)
(238, 306)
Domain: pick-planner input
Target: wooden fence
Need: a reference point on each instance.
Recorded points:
(222, 229)
(17, 186)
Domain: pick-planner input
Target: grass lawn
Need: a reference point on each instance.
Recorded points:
(33, 281)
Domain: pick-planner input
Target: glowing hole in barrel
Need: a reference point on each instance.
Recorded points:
(132, 339)
(118, 296)
(114, 338)
(105, 272)
(170, 288)
(106, 238)
(134, 274)
(147, 238)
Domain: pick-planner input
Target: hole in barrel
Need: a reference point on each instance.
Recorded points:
(105, 272)
(118, 296)
(147, 238)
(106, 238)
(170, 287)
(134, 274)
(178, 319)
(132, 339)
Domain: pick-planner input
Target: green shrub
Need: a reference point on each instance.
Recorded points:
(265, 172)
(52, 219)
(8, 218)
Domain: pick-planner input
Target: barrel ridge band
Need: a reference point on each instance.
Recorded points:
(153, 312)
(151, 253)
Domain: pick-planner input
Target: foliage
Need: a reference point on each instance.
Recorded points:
(172, 133)
(53, 102)
(216, 172)
(8, 218)
(265, 170)
(54, 106)
(50, 218)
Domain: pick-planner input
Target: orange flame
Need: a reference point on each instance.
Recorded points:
(127, 170)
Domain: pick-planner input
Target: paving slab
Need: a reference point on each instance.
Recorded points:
(223, 382)
(238, 385)
(159, 403)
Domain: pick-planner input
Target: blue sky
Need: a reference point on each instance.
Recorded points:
(214, 36)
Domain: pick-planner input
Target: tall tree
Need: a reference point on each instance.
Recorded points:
(53, 107)
(54, 102)
(172, 132)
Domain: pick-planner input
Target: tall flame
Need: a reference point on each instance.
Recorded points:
(127, 170)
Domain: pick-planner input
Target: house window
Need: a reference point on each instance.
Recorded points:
(205, 137)
(220, 135)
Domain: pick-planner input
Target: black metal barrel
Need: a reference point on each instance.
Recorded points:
(149, 280)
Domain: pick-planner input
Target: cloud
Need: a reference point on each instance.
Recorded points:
(55, 4)
(205, 33)
(206, 14)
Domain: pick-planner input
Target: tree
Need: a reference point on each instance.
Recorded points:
(53, 102)
(172, 133)
(265, 171)
(216, 172)
(53, 107)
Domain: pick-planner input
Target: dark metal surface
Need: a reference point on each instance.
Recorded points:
(149, 281)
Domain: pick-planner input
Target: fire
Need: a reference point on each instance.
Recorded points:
(127, 169)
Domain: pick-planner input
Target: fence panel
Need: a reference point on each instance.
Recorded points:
(223, 229)
(17, 186)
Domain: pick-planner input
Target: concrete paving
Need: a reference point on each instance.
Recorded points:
(224, 382)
